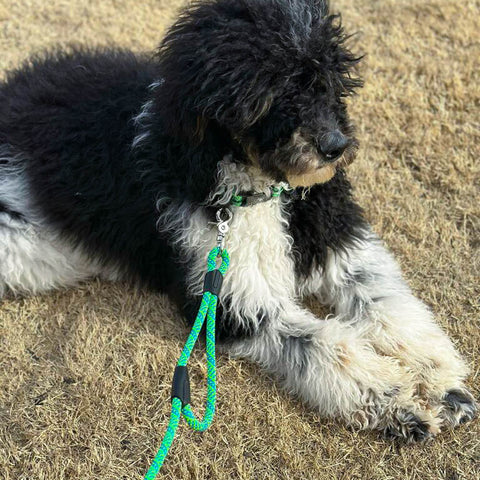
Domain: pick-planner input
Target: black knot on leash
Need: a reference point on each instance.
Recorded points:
(213, 282)
(181, 385)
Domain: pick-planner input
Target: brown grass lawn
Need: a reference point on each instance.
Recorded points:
(85, 373)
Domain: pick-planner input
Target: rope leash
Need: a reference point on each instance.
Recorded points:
(181, 385)
(208, 308)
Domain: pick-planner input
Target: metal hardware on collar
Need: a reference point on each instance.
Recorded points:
(255, 198)
(223, 226)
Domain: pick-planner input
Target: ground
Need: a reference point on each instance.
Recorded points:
(85, 376)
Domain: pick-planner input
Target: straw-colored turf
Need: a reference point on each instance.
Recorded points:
(85, 373)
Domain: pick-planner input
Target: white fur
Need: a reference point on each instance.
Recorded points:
(397, 323)
(143, 120)
(233, 178)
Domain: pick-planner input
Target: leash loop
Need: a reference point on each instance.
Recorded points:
(181, 384)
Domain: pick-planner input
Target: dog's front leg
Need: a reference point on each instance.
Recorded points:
(333, 367)
(365, 286)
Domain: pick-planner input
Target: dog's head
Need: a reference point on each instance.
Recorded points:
(272, 74)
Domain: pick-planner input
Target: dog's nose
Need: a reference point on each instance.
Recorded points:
(333, 144)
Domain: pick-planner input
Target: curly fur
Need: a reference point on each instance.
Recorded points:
(113, 164)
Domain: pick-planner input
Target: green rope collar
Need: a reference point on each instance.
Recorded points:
(255, 198)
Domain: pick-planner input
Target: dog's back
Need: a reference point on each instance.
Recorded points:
(67, 171)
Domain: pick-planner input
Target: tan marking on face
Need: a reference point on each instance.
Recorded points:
(300, 141)
(312, 177)
(310, 159)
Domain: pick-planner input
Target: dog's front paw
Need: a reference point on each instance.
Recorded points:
(410, 427)
(403, 418)
(459, 407)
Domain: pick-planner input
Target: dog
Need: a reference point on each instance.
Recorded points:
(115, 164)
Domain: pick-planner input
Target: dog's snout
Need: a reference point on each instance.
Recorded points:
(333, 144)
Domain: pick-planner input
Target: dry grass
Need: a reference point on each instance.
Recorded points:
(85, 374)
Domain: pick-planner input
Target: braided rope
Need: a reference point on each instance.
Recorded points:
(242, 200)
(207, 310)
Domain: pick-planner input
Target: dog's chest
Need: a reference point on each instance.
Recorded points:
(261, 275)
(262, 269)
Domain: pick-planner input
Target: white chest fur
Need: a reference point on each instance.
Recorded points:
(261, 274)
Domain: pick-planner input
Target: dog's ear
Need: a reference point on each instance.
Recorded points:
(227, 60)
(214, 66)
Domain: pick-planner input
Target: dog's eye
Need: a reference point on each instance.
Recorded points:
(273, 132)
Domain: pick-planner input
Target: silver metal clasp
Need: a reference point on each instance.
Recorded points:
(224, 217)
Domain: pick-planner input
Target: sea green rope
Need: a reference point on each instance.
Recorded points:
(240, 200)
(207, 310)
(236, 200)
(276, 191)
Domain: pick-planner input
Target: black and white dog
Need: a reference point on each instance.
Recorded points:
(114, 165)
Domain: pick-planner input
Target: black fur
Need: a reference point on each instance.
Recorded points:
(12, 213)
(233, 77)
(328, 218)
(71, 116)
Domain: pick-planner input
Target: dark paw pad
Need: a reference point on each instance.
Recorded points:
(461, 406)
(408, 428)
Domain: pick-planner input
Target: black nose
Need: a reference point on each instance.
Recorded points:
(333, 144)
